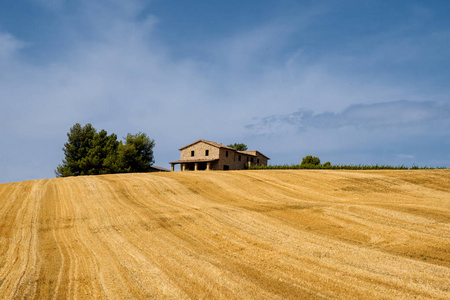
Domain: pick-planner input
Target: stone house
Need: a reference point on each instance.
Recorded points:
(207, 155)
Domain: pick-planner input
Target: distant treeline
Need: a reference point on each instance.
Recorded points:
(312, 162)
(344, 167)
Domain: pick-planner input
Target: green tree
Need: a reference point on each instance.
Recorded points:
(136, 154)
(239, 147)
(101, 155)
(90, 153)
(310, 160)
(75, 150)
(110, 147)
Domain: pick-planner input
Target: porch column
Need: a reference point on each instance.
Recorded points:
(196, 167)
(182, 167)
(173, 167)
(208, 166)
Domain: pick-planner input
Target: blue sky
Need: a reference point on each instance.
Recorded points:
(349, 81)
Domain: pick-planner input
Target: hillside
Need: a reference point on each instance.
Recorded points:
(230, 235)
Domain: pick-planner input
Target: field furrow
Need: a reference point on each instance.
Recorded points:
(278, 234)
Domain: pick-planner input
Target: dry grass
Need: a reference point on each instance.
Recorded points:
(228, 235)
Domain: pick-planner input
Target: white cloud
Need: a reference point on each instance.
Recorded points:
(394, 114)
(9, 46)
(373, 133)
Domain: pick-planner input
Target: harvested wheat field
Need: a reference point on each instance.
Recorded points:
(286, 234)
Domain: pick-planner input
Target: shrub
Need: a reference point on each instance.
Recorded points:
(310, 160)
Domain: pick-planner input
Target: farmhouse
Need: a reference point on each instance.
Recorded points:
(207, 155)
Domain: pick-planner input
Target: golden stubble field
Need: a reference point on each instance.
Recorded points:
(286, 234)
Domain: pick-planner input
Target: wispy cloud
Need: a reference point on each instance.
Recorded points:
(9, 46)
(385, 115)
(396, 132)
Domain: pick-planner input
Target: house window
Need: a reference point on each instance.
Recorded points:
(257, 161)
(247, 159)
(192, 153)
(206, 152)
(239, 158)
(252, 159)
(226, 153)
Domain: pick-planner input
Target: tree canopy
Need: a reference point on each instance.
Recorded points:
(88, 152)
(239, 147)
(310, 160)
(136, 154)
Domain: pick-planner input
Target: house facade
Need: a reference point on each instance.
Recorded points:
(207, 155)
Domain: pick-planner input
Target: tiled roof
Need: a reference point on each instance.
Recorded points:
(193, 161)
(253, 152)
(246, 152)
(214, 144)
